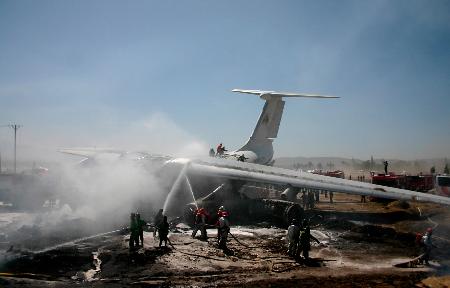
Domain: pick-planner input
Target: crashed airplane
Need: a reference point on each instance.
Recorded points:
(228, 178)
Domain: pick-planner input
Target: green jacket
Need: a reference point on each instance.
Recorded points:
(134, 228)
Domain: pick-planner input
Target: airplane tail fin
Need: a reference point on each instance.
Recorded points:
(270, 118)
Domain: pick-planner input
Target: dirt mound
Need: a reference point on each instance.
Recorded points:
(401, 204)
(435, 282)
(385, 234)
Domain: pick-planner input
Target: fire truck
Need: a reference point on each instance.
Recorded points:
(420, 183)
(443, 185)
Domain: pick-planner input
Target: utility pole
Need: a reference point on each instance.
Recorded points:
(15, 127)
(1, 152)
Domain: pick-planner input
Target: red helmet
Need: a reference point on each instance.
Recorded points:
(430, 230)
(224, 214)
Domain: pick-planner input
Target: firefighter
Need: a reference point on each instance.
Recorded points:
(304, 198)
(385, 163)
(163, 231)
(201, 219)
(219, 214)
(305, 238)
(211, 152)
(140, 227)
(157, 221)
(134, 233)
(293, 234)
(242, 158)
(310, 200)
(220, 210)
(224, 229)
(427, 245)
(219, 150)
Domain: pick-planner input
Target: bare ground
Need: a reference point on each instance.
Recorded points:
(362, 243)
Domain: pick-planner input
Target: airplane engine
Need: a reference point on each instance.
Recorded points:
(290, 194)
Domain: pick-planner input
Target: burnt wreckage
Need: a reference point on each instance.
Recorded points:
(246, 202)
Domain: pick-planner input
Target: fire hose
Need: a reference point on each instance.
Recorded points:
(192, 254)
(237, 240)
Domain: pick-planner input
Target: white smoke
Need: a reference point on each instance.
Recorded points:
(112, 187)
(103, 194)
(164, 136)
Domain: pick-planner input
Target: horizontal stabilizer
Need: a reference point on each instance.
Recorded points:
(262, 93)
(270, 118)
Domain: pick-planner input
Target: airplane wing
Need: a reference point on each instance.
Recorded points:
(273, 175)
(235, 170)
(105, 154)
(91, 152)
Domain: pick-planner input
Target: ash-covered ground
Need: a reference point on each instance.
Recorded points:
(361, 243)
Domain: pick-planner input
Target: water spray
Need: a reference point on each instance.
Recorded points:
(175, 187)
(192, 191)
(218, 188)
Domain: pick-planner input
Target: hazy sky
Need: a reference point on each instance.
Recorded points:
(159, 74)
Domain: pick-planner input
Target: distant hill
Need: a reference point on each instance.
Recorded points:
(349, 165)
